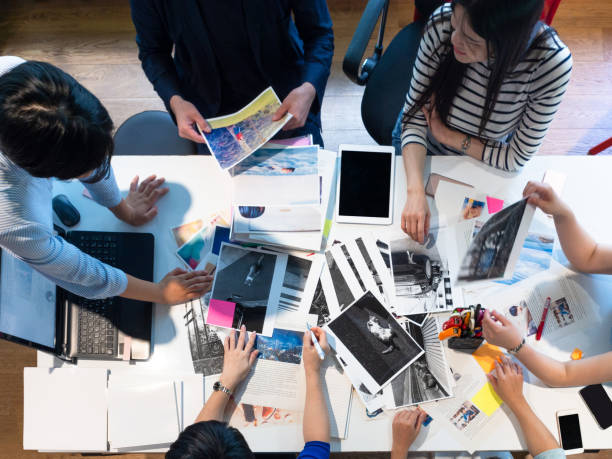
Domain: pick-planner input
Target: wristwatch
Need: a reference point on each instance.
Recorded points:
(466, 144)
(218, 387)
(517, 348)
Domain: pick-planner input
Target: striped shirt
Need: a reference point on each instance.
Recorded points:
(526, 104)
(26, 228)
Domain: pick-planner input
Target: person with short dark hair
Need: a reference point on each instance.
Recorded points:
(52, 127)
(210, 438)
(487, 82)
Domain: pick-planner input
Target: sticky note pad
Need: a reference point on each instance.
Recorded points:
(221, 313)
(494, 205)
(487, 400)
(486, 356)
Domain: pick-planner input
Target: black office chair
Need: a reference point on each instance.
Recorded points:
(151, 133)
(387, 75)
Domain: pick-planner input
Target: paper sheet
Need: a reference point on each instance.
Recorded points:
(486, 356)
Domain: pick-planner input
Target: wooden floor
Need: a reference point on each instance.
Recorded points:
(94, 41)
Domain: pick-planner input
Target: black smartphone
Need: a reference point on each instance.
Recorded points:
(599, 403)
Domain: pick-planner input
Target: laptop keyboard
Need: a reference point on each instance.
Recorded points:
(97, 334)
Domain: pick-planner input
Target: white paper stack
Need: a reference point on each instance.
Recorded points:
(302, 226)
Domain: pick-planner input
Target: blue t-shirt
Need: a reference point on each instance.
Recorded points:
(315, 450)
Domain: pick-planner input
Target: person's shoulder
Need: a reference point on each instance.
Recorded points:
(438, 26)
(315, 450)
(548, 46)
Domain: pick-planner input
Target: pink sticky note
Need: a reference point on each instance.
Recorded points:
(221, 313)
(494, 204)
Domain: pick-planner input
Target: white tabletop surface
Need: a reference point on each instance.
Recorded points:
(198, 188)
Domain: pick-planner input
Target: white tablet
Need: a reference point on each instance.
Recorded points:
(365, 184)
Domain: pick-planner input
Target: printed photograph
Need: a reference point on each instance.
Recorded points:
(319, 306)
(277, 218)
(466, 413)
(562, 313)
(374, 338)
(244, 279)
(294, 283)
(235, 137)
(370, 264)
(521, 317)
(194, 250)
(341, 288)
(351, 264)
(282, 346)
(488, 254)
(472, 208)
(204, 343)
(417, 273)
(426, 378)
(534, 258)
(184, 232)
(383, 248)
(272, 162)
(244, 416)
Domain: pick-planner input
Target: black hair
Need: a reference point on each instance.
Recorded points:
(210, 440)
(507, 27)
(51, 126)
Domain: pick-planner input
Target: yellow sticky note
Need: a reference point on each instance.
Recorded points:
(486, 356)
(327, 227)
(487, 400)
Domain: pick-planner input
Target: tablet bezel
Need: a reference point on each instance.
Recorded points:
(389, 150)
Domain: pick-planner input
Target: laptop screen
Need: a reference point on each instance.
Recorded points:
(27, 302)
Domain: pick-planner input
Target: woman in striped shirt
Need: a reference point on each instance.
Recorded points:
(487, 81)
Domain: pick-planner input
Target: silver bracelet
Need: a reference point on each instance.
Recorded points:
(218, 387)
(466, 144)
(517, 348)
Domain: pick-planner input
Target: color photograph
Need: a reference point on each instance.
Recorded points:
(186, 231)
(534, 258)
(193, 251)
(562, 313)
(282, 346)
(472, 208)
(375, 339)
(464, 415)
(272, 162)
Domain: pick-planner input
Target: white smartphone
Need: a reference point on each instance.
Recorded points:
(365, 184)
(568, 424)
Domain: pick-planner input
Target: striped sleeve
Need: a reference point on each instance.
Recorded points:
(547, 88)
(105, 192)
(427, 61)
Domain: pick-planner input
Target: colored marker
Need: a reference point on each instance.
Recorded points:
(543, 321)
(316, 343)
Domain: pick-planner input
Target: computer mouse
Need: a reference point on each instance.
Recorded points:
(64, 209)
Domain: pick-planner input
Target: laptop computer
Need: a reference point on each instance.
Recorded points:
(37, 313)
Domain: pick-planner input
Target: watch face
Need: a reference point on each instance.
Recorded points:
(217, 385)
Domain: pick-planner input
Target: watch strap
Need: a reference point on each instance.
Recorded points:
(517, 348)
(218, 387)
(466, 144)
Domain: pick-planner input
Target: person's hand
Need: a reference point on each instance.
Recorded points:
(312, 361)
(499, 331)
(438, 129)
(138, 207)
(543, 196)
(186, 115)
(507, 381)
(179, 286)
(415, 216)
(238, 358)
(297, 103)
(406, 427)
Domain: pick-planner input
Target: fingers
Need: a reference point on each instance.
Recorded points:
(151, 214)
(421, 230)
(253, 356)
(421, 418)
(307, 341)
(493, 380)
(134, 184)
(202, 123)
(251, 342)
(241, 338)
(176, 272)
(153, 185)
(427, 222)
(414, 224)
(226, 344)
(145, 182)
(282, 111)
(232, 339)
(404, 224)
(500, 318)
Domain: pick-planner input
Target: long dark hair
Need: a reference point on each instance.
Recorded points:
(507, 27)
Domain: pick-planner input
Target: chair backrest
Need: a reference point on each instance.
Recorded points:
(548, 13)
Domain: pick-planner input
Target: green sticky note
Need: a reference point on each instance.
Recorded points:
(327, 227)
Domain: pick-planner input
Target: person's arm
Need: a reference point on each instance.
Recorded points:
(579, 247)
(507, 381)
(237, 361)
(416, 213)
(499, 331)
(176, 287)
(406, 427)
(316, 414)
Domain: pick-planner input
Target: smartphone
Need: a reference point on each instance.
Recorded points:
(569, 431)
(598, 401)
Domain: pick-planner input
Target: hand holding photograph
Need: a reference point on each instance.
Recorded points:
(367, 337)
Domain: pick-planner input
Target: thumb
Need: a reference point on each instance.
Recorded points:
(176, 272)
(500, 318)
(282, 111)
(134, 184)
(253, 357)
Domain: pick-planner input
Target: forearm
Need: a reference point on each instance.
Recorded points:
(138, 289)
(538, 437)
(547, 369)
(316, 415)
(214, 408)
(580, 248)
(413, 155)
(455, 139)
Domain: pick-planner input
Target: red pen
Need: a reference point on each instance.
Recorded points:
(543, 320)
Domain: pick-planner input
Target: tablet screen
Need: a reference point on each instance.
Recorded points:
(365, 184)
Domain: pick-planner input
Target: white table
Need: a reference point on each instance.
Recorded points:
(198, 188)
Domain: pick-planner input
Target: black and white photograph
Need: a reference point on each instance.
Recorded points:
(319, 306)
(340, 285)
(294, 283)
(205, 344)
(351, 264)
(250, 279)
(418, 272)
(374, 340)
(494, 250)
(426, 379)
(370, 264)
